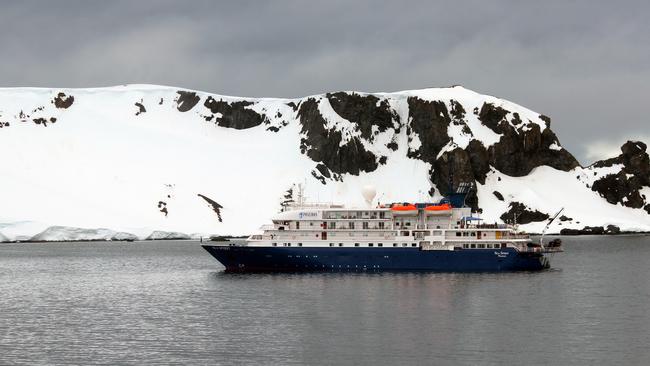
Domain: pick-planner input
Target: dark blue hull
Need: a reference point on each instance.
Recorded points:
(305, 259)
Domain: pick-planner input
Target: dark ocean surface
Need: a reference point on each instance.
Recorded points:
(170, 303)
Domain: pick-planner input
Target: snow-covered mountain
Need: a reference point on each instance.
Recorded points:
(141, 158)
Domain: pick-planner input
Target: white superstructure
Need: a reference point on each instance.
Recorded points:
(445, 228)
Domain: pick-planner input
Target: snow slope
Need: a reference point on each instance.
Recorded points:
(134, 159)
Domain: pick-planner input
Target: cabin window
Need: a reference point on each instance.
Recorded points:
(311, 224)
(340, 244)
(465, 246)
(408, 223)
(405, 233)
(331, 244)
(381, 225)
(370, 244)
(380, 244)
(473, 246)
(457, 233)
(275, 244)
(414, 245)
(365, 225)
(351, 224)
(481, 246)
(299, 244)
(288, 244)
(473, 233)
(404, 244)
(356, 244)
(438, 227)
(394, 244)
(382, 214)
(332, 225)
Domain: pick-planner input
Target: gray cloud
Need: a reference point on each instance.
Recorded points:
(587, 65)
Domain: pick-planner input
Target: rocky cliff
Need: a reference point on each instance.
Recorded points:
(140, 157)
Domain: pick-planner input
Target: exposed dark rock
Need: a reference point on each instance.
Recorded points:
(523, 214)
(163, 207)
(63, 101)
(546, 120)
(498, 195)
(592, 230)
(565, 218)
(293, 106)
(479, 160)
(323, 170)
(161, 101)
(216, 207)
(186, 100)
(613, 229)
(521, 150)
(493, 117)
(40, 121)
(457, 111)
(392, 145)
(318, 177)
(324, 145)
(364, 111)
(141, 108)
(234, 115)
(273, 129)
(429, 121)
(624, 186)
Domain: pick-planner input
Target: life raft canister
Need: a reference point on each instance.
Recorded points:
(404, 208)
(436, 208)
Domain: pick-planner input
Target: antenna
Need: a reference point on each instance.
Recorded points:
(541, 238)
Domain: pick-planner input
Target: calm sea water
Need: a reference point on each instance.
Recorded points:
(170, 303)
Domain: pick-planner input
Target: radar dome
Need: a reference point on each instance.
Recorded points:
(369, 192)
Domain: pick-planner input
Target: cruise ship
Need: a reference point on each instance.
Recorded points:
(442, 236)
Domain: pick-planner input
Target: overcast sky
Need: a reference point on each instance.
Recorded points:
(587, 65)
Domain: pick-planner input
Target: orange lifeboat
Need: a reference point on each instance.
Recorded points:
(407, 209)
(443, 209)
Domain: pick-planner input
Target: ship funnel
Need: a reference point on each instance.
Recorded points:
(368, 192)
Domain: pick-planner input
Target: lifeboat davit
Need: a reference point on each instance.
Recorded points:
(407, 209)
(443, 209)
